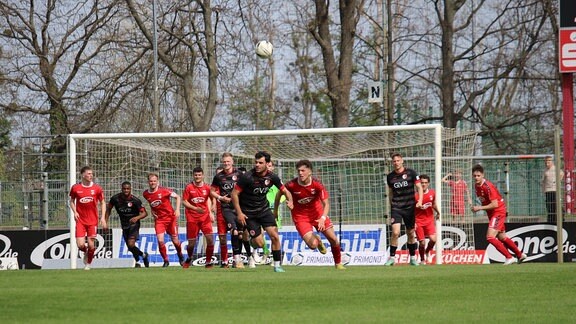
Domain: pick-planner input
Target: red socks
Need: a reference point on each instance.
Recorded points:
(512, 246)
(162, 249)
(336, 253)
(91, 255)
(209, 253)
(499, 246)
(223, 252)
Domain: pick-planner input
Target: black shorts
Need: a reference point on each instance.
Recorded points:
(256, 222)
(406, 214)
(232, 223)
(131, 232)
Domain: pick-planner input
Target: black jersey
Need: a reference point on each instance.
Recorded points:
(253, 190)
(225, 182)
(402, 185)
(126, 207)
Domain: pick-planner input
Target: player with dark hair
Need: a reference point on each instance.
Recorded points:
(84, 199)
(495, 207)
(221, 188)
(311, 207)
(196, 200)
(253, 209)
(130, 211)
(401, 183)
(165, 216)
(221, 225)
(425, 220)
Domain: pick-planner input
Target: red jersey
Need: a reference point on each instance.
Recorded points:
(426, 213)
(486, 192)
(458, 191)
(86, 199)
(160, 202)
(307, 198)
(197, 196)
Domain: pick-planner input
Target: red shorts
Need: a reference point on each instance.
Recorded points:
(305, 224)
(457, 208)
(425, 229)
(497, 222)
(83, 230)
(194, 226)
(221, 223)
(166, 225)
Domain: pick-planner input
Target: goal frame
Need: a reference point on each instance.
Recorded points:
(436, 128)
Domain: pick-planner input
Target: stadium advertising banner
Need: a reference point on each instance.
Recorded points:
(538, 241)
(361, 245)
(32, 247)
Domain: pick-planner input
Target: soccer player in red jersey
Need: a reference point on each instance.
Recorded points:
(495, 207)
(198, 204)
(84, 199)
(165, 216)
(425, 221)
(311, 207)
(459, 192)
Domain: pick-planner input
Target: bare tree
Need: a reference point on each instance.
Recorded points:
(338, 70)
(60, 64)
(187, 37)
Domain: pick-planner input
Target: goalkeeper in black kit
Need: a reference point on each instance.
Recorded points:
(130, 211)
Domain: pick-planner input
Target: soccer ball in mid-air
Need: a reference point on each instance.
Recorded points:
(264, 49)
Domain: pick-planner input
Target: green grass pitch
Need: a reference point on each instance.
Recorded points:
(527, 293)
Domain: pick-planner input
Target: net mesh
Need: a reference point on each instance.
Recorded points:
(352, 165)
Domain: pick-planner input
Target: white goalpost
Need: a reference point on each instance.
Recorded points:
(351, 162)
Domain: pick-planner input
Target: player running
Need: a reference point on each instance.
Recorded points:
(253, 209)
(84, 199)
(425, 221)
(165, 216)
(130, 211)
(196, 199)
(311, 207)
(495, 207)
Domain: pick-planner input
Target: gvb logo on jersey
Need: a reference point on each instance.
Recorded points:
(400, 184)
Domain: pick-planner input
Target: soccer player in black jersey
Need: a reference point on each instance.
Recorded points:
(221, 187)
(401, 183)
(252, 206)
(130, 211)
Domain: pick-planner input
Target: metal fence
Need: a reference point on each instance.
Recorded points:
(44, 203)
(518, 180)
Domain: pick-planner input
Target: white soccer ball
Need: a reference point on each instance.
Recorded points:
(297, 259)
(264, 49)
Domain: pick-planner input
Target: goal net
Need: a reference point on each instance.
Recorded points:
(351, 162)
